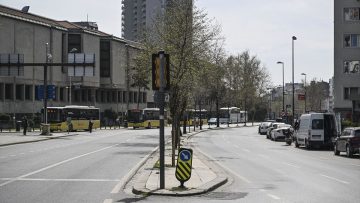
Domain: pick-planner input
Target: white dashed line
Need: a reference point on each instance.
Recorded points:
(292, 165)
(273, 196)
(332, 178)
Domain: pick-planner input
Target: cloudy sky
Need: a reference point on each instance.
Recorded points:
(264, 27)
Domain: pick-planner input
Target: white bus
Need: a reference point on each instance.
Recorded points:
(232, 115)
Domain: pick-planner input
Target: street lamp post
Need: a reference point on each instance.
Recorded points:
(293, 85)
(305, 90)
(73, 50)
(283, 87)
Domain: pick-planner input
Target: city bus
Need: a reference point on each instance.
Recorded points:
(192, 117)
(232, 115)
(79, 116)
(145, 118)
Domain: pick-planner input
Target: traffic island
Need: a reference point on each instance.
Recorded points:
(205, 177)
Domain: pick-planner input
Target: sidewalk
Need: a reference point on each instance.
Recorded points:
(12, 138)
(205, 176)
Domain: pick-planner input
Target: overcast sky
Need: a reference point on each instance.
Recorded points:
(264, 27)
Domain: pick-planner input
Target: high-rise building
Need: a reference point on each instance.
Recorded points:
(137, 15)
(347, 59)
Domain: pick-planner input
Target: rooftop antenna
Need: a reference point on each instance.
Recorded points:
(25, 9)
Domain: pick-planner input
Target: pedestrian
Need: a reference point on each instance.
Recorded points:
(69, 124)
(25, 124)
(90, 125)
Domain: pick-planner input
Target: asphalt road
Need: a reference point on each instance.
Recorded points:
(82, 168)
(261, 170)
(93, 167)
(265, 171)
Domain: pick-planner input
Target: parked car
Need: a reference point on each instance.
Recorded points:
(263, 127)
(348, 141)
(316, 129)
(212, 121)
(279, 132)
(272, 127)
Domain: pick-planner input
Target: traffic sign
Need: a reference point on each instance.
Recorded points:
(50, 92)
(184, 165)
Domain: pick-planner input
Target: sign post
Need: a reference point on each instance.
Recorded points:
(184, 165)
(161, 82)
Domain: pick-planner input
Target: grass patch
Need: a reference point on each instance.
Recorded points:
(157, 165)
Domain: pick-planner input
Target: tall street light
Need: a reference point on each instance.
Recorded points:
(293, 85)
(73, 50)
(283, 95)
(305, 89)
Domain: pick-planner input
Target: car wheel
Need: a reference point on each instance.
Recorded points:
(296, 143)
(336, 152)
(348, 151)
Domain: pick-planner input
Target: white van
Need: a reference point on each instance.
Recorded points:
(316, 129)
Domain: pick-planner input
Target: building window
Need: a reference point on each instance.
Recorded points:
(351, 92)
(104, 58)
(131, 97)
(140, 97)
(351, 40)
(135, 97)
(97, 95)
(28, 92)
(351, 66)
(83, 95)
(351, 14)
(89, 93)
(144, 97)
(346, 93)
(61, 94)
(108, 95)
(19, 92)
(77, 94)
(103, 96)
(119, 96)
(124, 96)
(1, 91)
(9, 94)
(74, 41)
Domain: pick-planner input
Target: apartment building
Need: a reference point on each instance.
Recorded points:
(347, 59)
(108, 86)
(137, 15)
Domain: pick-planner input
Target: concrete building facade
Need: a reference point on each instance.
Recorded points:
(347, 59)
(108, 88)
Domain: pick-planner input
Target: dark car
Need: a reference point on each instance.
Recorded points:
(348, 141)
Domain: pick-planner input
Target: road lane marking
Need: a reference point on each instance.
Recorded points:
(56, 164)
(292, 165)
(131, 173)
(354, 165)
(108, 201)
(246, 150)
(273, 196)
(332, 178)
(62, 180)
